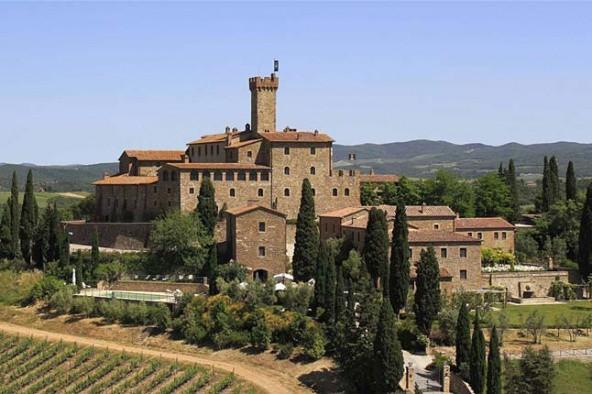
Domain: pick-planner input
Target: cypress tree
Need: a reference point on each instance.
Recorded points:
(388, 358)
(554, 184)
(330, 284)
(570, 182)
(427, 293)
(15, 247)
(340, 301)
(494, 365)
(53, 233)
(306, 247)
(5, 235)
(477, 359)
(585, 237)
(320, 289)
(65, 251)
(546, 191)
(500, 170)
(399, 269)
(28, 219)
(375, 251)
(95, 254)
(513, 187)
(463, 337)
(212, 268)
(207, 210)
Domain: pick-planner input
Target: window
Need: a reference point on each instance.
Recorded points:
(463, 252)
(314, 192)
(232, 192)
(206, 174)
(480, 235)
(212, 150)
(217, 176)
(264, 176)
(346, 191)
(287, 192)
(334, 192)
(165, 175)
(436, 226)
(313, 171)
(230, 176)
(155, 189)
(199, 150)
(242, 176)
(194, 175)
(253, 176)
(313, 150)
(470, 235)
(205, 150)
(443, 253)
(260, 192)
(168, 190)
(504, 235)
(261, 251)
(463, 274)
(191, 190)
(287, 150)
(410, 253)
(249, 154)
(217, 149)
(173, 175)
(496, 235)
(286, 170)
(261, 227)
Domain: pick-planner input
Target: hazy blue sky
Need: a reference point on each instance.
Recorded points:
(79, 82)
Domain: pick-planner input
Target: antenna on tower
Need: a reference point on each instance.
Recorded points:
(276, 65)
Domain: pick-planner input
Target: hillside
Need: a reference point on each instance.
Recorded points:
(56, 178)
(421, 158)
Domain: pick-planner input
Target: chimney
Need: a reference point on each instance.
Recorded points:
(227, 130)
(263, 100)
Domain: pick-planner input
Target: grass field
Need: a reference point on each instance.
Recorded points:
(43, 198)
(32, 366)
(573, 377)
(572, 310)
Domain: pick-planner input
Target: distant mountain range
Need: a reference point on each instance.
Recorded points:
(421, 158)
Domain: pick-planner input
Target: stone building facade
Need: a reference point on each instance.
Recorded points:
(495, 232)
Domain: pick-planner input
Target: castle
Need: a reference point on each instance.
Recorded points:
(256, 166)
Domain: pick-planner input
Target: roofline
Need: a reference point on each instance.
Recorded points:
(253, 208)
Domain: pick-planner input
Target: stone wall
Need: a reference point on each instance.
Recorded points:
(127, 236)
(443, 223)
(161, 287)
(501, 239)
(538, 282)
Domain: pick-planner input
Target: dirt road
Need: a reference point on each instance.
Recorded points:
(267, 380)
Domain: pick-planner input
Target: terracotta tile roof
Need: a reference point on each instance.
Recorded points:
(357, 223)
(243, 143)
(250, 208)
(217, 166)
(127, 180)
(295, 136)
(343, 212)
(429, 236)
(415, 211)
(482, 223)
(209, 138)
(379, 178)
(158, 155)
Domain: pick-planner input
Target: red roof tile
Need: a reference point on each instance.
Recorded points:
(157, 155)
(482, 223)
(295, 136)
(127, 180)
(429, 236)
(209, 138)
(343, 212)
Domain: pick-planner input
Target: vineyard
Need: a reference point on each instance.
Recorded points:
(34, 366)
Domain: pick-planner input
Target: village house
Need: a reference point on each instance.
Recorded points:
(495, 232)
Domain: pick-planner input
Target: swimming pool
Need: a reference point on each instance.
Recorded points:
(146, 296)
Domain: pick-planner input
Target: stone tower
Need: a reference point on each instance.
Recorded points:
(263, 92)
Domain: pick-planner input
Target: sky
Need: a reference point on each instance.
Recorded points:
(81, 82)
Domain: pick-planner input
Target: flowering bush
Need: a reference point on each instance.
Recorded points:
(512, 268)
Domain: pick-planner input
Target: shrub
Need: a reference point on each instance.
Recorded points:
(495, 256)
(260, 332)
(112, 311)
(447, 325)
(314, 341)
(562, 291)
(135, 313)
(230, 338)
(83, 305)
(285, 350)
(297, 298)
(45, 288)
(62, 300)
(160, 316)
(16, 287)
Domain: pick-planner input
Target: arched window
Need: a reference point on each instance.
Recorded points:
(287, 192)
(313, 170)
(334, 192)
(346, 191)
(260, 275)
(286, 150)
(286, 170)
(260, 192)
(165, 175)
(314, 192)
(232, 192)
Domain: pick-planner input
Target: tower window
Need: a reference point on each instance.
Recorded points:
(436, 226)
(346, 191)
(287, 192)
(261, 251)
(313, 170)
(264, 176)
(286, 170)
(194, 175)
(286, 150)
(249, 154)
(191, 190)
(242, 176)
(262, 227)
(165, 175)
(232, 192)
(260, 192)
(334, 192)
(463, 274)
(496, 235)
(217, 176)
(313, 150)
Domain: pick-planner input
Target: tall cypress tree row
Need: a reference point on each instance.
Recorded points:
(340, 301)
(306, 247)
(388, 358)
(330, 284)
(554, 184)
(375, 251)
(28, 219)
(212, 268)
(15, 247)
(570, 182)
(546, 191)
(5, 235)
(399, 269)
(320, 289)
(207, 210)
(463, 339)
(585, 237)
(477, 359)
(427, 293)
(513, 187)
(494, 365)
(53, 233)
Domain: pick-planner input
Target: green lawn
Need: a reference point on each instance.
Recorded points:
(571, 310)
(43, 198)
(573, 377)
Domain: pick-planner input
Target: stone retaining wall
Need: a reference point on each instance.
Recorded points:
(539, 282)
(128, 236)
(142, 285)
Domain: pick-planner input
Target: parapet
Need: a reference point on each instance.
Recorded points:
(271, 82)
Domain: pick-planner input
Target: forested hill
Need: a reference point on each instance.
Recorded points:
(421, 158)
(56, 178)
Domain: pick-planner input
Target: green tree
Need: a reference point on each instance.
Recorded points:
(53, 233)
(375, 253)
(477, 358)
(29, 215)
(570, 182)
(534, 374)
(585, 237)
(95, 254)
(399, 269)
(14, 218)
(512, 184)
(492, 196)
(306, 247)
(207, 210)
(388, 358)
(446, 188)
(494, 367)
(427, 293)
(546, 193)
(340, 301)
(463, 338)
(110, 272)
(65, 251)
(330, 284)
(320, 289)
(5, 234)
(554, 183)
(212, 268)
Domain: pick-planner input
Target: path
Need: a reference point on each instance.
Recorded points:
(266, 379)
(427, 381)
